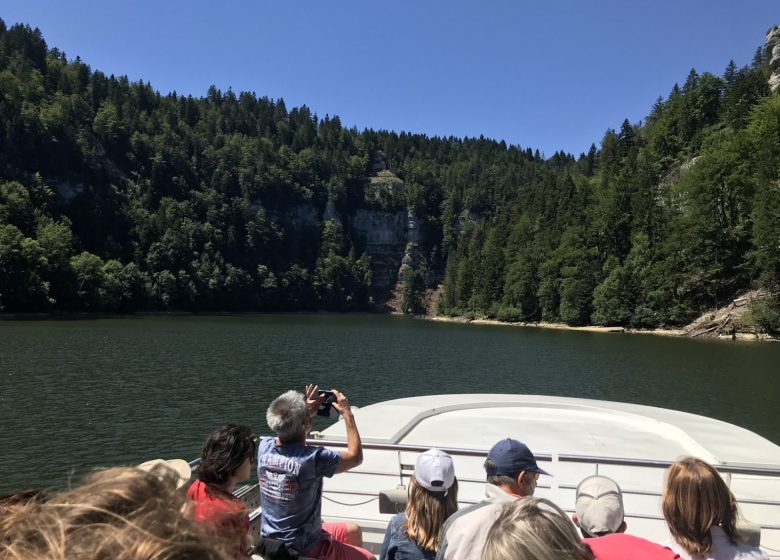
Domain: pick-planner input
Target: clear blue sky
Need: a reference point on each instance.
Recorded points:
(549, 74)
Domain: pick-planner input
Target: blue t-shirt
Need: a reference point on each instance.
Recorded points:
(290, 478)
(398, 546)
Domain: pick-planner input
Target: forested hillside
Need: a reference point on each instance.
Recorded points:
(116, 198)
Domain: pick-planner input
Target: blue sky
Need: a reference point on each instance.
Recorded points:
(549, 74)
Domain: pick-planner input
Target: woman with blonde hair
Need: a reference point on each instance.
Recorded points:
(432, 498)
(116, 514)
(534, 529)
(701, 513)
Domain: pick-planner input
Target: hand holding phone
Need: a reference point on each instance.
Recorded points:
(327, 399)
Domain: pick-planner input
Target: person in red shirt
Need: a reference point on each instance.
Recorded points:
(226, 460)
(600, 517)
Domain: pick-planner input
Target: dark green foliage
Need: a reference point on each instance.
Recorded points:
(412, 292)
(115, 198)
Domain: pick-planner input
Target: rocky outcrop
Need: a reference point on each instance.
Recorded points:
(385, 236)
(391, 235)
(773, 55)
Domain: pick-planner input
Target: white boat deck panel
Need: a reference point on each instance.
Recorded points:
(552, 426)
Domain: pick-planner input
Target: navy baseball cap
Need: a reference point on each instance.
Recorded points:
(510, 457)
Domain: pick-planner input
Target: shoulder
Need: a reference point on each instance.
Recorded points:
(326, 459)
(195, 489)
(266, 444)
(320, 451)
(623, 545)
(474, 513)
(721, 544)
(745, 552)
(397, 521)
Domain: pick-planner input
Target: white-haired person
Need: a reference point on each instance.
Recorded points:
(534, 529)
(432, 498)
(290, 474)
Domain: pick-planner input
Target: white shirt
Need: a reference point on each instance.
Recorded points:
(722, 549)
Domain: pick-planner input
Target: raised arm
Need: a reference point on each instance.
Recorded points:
(353, 456)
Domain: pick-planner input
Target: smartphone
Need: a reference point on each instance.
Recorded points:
(327, 403)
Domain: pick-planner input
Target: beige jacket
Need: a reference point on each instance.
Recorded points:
(465, 532)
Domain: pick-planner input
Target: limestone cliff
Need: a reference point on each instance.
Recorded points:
(773, 55)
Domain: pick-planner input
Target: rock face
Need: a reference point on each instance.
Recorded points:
(385, 234)
(391, 235)
(773, 55)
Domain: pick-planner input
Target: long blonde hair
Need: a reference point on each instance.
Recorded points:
(696, 499)
(426, 512)
(534, 529)
(116, 514)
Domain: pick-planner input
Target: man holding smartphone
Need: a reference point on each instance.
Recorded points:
(290, 475)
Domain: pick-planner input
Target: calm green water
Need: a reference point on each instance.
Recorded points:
(77, 394)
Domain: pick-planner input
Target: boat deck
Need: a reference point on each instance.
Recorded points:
(572, 438)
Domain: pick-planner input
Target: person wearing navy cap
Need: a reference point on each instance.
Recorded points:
(512, 473)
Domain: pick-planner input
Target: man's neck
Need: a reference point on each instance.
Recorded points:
(512, 490)
(300, 439)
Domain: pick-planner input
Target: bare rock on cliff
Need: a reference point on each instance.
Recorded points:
(773, 55)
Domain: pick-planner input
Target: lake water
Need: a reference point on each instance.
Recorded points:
(75, 394)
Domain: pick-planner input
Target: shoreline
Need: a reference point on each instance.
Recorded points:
(682, 333)
(596, 329)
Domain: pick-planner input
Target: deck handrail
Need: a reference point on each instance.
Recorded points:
(564, 458)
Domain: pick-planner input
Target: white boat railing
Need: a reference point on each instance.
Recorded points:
(250, 494)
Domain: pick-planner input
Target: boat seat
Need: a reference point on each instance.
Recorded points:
(392, 501)
(749, 532)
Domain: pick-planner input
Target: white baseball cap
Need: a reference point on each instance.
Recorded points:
(179, 466)
(434, 471)
(599, 505)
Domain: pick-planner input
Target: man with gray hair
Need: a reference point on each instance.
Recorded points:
(512, 473)
(290, 475)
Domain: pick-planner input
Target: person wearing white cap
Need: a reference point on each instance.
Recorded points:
(433, 497)
(600, 517)
(599, 507)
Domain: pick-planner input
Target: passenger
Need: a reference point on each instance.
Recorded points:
(600, 517)
(701, 513)
(118, 514)
(433, 497)
(290, 475)
(180, 468)
(225, 461)
(534, 529)
(12, 502)
(512, 474)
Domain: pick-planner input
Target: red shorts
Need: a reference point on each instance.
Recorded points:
(334, 547)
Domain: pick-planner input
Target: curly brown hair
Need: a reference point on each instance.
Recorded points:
(224, 451)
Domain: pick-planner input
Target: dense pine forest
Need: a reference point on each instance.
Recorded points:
(115, 198)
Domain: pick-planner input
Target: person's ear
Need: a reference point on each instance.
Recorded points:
(577, 519)
(622, 528)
